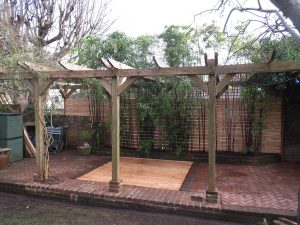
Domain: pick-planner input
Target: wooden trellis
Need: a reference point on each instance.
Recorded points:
(120, 78)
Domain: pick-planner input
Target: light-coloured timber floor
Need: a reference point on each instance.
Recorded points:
(166, 174)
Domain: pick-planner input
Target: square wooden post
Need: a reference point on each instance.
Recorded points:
(212, 134)
(39, 103)
(116, 183)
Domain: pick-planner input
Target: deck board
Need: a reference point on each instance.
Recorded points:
(166, 174)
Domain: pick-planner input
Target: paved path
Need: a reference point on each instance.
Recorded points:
(272, 186)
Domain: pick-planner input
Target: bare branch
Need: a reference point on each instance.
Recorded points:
(61, 23)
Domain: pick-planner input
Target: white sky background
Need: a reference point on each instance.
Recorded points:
(138, 17)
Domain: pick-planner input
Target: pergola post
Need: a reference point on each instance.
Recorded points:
(38, 91)
(212, 192)
(116, 183)
(212, 133)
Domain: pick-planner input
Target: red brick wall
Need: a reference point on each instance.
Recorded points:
(75, 125)
(76, 107)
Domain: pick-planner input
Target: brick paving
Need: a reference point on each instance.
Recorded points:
(272, 186)
(243, 188)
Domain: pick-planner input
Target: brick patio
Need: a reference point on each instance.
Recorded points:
(269, 189)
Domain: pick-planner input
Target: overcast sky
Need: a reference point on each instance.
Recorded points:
(137, 17)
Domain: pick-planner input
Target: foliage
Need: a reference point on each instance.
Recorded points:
(179, 42)
(166, 106)
(86, 135)
(174, 110)
(135, 52)
(14, 50)
(96, 96)
(274, 84)
(253, 113)
(211, 38)
(145, 146)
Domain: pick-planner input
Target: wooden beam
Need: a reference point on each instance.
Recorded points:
(44, 87)
(285, 66)
(63, 93)
(126, 84)
(118, 66)
(29, 86)
(115, 182)
(198, 82)
(105, 84)
(70, 92)
(79, 74)
(223, 84)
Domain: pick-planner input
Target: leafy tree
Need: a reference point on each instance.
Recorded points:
(179, 44)
(135, 52)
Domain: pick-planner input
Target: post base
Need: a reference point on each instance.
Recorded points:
(207, 197)
(115, 186)
(211, 196)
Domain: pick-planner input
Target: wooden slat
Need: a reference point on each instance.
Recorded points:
(29, 146)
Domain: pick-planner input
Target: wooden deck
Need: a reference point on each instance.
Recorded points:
(166, 174)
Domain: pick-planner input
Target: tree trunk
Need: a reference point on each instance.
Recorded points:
(290, 9)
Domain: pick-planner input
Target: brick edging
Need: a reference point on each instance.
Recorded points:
(227, 212)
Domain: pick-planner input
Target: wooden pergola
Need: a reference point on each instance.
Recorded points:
(118, 77)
